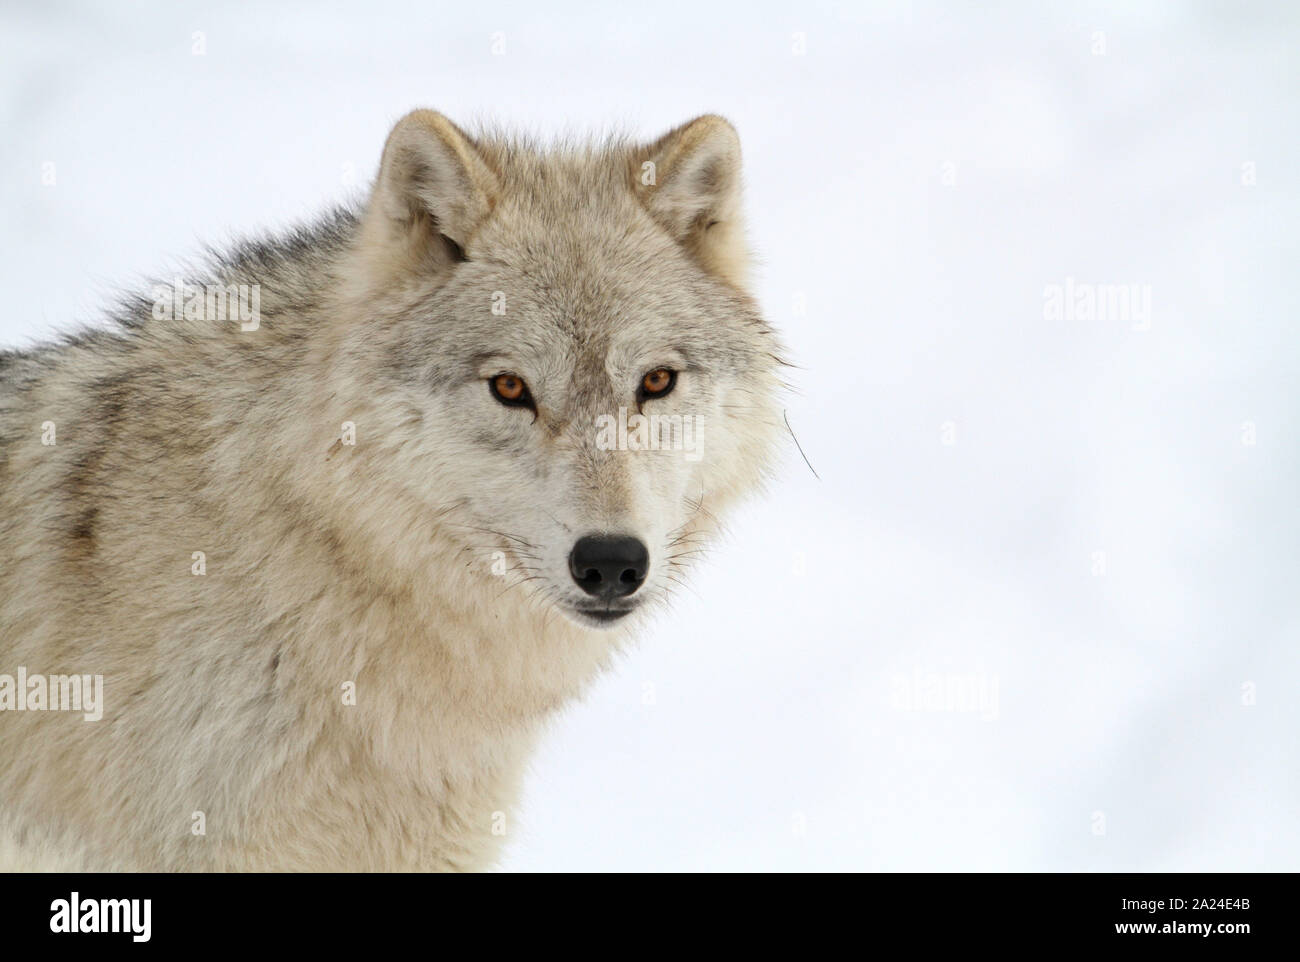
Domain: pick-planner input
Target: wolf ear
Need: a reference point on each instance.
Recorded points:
(433, 190)
(689, 180)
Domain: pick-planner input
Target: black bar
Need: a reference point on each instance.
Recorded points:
(443, 912)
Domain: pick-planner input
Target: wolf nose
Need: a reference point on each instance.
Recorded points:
(609, 566)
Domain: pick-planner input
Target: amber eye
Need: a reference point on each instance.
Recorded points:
(511, 390)
(658, 382)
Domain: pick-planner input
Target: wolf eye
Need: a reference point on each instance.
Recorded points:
(657, 383)
(511, 391)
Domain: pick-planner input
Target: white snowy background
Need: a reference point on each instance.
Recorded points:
(1094, 520)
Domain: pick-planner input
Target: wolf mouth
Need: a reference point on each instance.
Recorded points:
(602, 616)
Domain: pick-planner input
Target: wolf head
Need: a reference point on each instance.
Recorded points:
(574, 377)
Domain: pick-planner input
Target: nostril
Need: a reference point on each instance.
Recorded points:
(629, 577)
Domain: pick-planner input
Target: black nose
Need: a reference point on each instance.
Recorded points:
(609, 566)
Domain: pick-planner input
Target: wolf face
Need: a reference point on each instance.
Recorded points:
(582, 378)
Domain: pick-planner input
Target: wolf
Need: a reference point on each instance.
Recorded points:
(337, 564)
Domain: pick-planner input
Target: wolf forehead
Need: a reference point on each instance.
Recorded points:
(589, 305)
(576, 331)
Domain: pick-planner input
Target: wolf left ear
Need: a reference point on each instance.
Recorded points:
(433, 191)
(689, 180)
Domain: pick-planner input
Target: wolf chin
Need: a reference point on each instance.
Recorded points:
(337, 567)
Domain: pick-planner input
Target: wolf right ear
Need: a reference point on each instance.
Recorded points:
(433, 190)
(689, 181)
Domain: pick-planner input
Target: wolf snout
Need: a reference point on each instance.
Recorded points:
(609, 566)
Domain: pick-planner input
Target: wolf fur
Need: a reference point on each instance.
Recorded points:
(354, 673)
